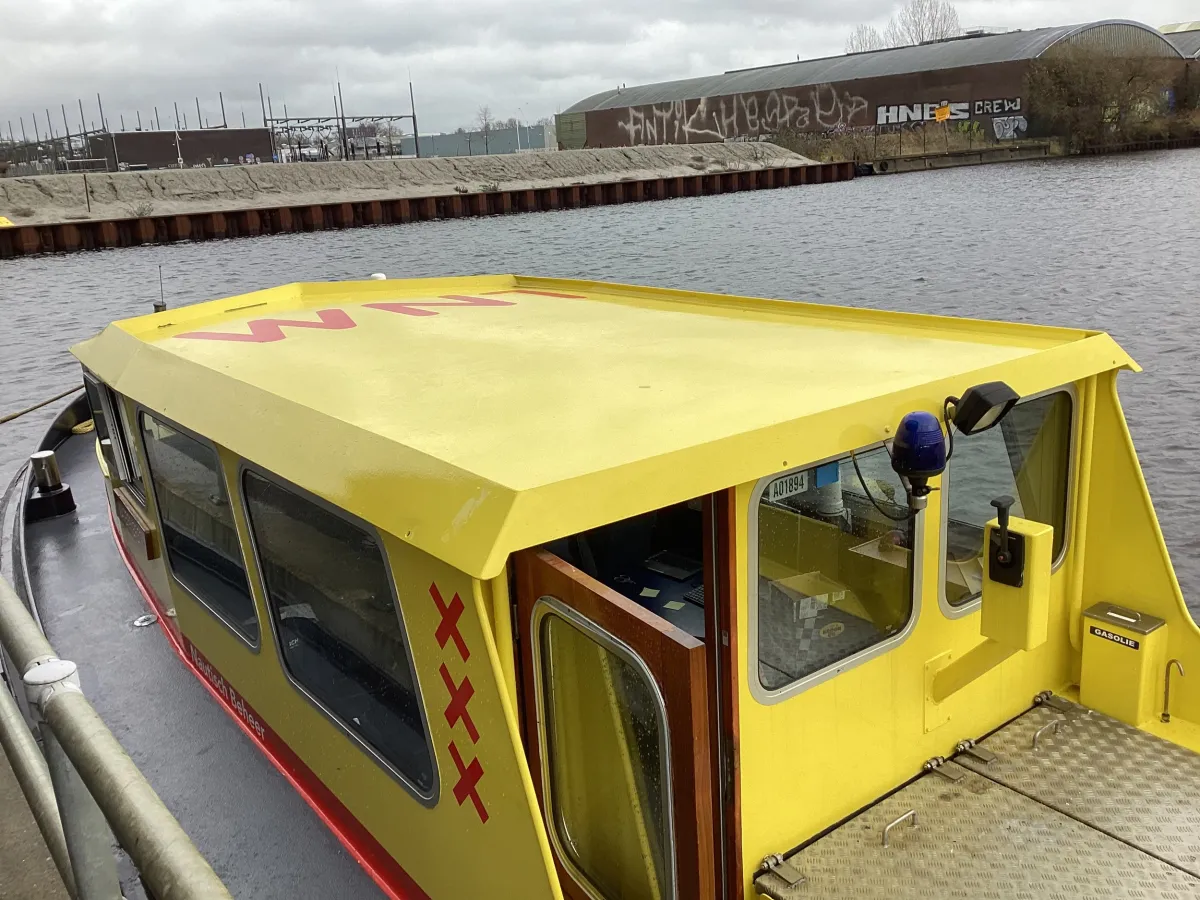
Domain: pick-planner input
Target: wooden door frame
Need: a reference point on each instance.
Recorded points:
(720, 625)
(661, 646)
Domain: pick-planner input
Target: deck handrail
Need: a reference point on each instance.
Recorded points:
(169, 863)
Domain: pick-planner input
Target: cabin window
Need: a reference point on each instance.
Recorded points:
(98, 401)
(339, 630)
(606, 758)
(129, 449)
(198, 531)
(834, 573)
(1027, 456)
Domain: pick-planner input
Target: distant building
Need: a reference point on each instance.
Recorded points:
(978, 77)
(476, 143)
(1185, 36)
(196, 147)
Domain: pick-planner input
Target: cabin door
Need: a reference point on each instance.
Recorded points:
(616, 723)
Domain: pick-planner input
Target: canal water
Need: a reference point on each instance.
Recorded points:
(1111, 243)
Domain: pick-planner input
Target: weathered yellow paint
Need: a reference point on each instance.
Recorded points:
(1018, 617)
(448, 429)
(484, 429)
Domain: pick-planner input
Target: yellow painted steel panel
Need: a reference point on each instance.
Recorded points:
(475, 416)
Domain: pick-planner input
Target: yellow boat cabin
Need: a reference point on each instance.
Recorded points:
(540, 588)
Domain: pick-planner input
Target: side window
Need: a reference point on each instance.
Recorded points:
(129, 448)
(339, 630)
(1027, 456)
(834, 573)
(98, 402)
(197, 524)
(605, 734)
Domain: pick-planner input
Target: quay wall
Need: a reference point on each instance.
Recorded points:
(50, 199)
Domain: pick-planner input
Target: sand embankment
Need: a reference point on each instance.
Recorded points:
(42, 199)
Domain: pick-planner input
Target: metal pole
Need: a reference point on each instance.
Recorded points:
(176, 115)
(412, 105)
(89, 840)
(221, 97)
(264, 104)
(66, 127)
(83, 128)
(199, 118)
(157, 120)
(168, 862)
(24, 140)
(342, 104)
(36, 135)
(104, 125)
(33, 776)
(139, 117)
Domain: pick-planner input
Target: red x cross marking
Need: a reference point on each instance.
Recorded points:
(448, 629)
(460, 696)
(468, 778)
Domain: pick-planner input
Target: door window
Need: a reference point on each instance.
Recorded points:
(834, 573)
(1027, 457)
(606, 758)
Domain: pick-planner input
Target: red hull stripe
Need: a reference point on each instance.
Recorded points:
(359, 843)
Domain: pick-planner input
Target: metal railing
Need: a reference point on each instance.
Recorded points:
(85, 783)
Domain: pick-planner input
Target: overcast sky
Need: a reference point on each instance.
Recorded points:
(526, 58)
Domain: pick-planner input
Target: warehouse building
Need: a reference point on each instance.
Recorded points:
(979, 77)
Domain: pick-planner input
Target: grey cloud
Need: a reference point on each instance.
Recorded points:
(540, 55)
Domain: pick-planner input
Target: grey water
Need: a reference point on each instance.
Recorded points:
(1111, 243)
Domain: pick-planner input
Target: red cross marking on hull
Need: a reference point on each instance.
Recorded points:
(448, 628)
(468, 779)
(267, 331)
(420, 307)
(460, 696)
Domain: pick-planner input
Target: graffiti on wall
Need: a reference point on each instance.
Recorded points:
(743, 115)
(1009, 128)
(903, 114)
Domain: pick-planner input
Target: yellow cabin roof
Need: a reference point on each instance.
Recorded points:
(477, 416)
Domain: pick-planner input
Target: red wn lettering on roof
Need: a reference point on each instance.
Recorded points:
(268, 331)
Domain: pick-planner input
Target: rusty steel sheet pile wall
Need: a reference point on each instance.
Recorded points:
(62, 237)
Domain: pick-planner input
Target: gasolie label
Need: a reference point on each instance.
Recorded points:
(1115, 638)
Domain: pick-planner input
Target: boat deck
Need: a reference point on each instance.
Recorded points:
(256, 831)
(1092, 808)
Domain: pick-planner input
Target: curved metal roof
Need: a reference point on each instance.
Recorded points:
(948, 54)
(1187, 42)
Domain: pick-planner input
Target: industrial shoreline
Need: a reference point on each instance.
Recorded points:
(207, 204)
(54, 199)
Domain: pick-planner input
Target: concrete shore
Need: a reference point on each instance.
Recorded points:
(46, 199)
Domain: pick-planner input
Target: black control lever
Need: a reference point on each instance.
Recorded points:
(1006, 555)
(1003, 504)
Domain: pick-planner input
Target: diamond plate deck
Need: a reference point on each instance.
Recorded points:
(976, 839)
(1109, 775)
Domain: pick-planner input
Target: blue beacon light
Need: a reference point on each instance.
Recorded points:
(918, 454)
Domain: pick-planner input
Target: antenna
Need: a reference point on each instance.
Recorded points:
(161, 304)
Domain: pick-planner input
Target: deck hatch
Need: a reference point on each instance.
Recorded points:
(974, 838)
(1109, 775)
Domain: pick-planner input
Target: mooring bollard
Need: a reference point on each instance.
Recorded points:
(89, 840)
(52, 497)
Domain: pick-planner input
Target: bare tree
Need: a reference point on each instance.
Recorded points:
(920, 21)
(864, 38)
(484, 119)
